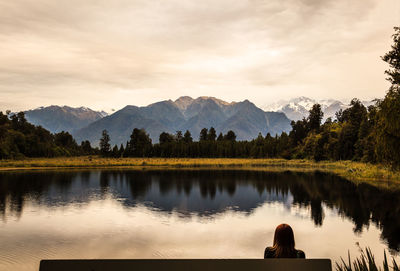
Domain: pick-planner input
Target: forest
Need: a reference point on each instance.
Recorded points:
(357, 133)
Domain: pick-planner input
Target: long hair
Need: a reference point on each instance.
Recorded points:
(284, 242)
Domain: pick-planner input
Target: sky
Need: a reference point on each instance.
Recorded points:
(107, 54)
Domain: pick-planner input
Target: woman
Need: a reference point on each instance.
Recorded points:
(283, 244)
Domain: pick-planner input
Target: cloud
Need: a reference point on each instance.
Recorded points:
(95, 53)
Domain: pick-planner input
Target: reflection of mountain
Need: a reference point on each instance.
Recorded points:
(207, 193)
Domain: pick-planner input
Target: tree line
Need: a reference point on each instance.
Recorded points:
(19, 139)
(357, 133)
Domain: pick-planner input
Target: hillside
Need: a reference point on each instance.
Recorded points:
(186, 113)
(63, 118)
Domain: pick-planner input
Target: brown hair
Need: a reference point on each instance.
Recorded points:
(284, 242)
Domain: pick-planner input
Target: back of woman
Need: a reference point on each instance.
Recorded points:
(284, 245)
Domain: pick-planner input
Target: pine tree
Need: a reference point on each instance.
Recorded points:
(203, 134)
(388, 124)
(115, 152)
(230, 136)
(315, 117)
(212, 134)
(121, 151)
(139, 144)
(178, 136)
(187, 137)
(105, 146)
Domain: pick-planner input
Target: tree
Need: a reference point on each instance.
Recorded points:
(212, 134)
(257, 150)
(166, 138)
(203, 134)
(65, 139)
(388, 124)
(187, 137)
(86, 147)
(299, 131)
(178, 136)
(393, 59)
(121, 151)
(115, 152)
(230, 136)
(139, 144)
(105, 147)
(315, 117)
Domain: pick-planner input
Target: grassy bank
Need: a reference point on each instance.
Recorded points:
(348, 169)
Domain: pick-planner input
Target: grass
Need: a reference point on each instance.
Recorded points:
(354, 171)
(366, 262)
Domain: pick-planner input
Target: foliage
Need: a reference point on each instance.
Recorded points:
(105, 147)
(19, 139)
(388, 124)
(366, 262)
(139, 144)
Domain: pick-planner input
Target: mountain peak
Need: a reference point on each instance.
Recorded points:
(216, 100)
(183, 102)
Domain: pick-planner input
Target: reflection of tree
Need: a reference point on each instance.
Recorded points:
(139, 183)
(104, 182)
(16, 187)
(361, 203)
(317, 212)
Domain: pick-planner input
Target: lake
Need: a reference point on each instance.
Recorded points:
(188, 214)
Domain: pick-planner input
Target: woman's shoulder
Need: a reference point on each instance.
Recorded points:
(300, 254)
(269, 253)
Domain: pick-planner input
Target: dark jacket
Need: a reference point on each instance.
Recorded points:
(270, 253)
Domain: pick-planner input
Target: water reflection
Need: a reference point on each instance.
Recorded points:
(207, 193)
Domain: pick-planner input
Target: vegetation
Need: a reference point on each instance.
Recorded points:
(366, 262)
(19, 139)
(356, 171)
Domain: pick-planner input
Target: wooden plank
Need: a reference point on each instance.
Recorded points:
(187, 264)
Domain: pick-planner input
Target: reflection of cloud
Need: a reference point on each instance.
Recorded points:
(103, 229)
(100, 49)
(207, 195)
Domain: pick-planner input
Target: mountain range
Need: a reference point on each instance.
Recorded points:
(298, 108)
(63, 118)
(186, 113)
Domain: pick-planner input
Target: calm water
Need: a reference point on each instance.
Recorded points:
(187, 214)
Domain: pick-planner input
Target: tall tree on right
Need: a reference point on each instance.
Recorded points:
(388, 125)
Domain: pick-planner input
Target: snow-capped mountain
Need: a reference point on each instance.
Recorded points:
(298, 108)
(63, 118)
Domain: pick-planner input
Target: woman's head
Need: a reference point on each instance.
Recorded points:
(284, 241)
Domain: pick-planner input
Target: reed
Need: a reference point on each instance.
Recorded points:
(366, 262)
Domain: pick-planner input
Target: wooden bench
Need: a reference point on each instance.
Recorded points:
(187, 264)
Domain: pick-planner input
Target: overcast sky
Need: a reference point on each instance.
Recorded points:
(107, 54)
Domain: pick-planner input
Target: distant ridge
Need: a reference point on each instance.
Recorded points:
(63, 118)
(297, 108)
(186, 113)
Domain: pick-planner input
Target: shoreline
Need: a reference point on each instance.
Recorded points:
(354, 171)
